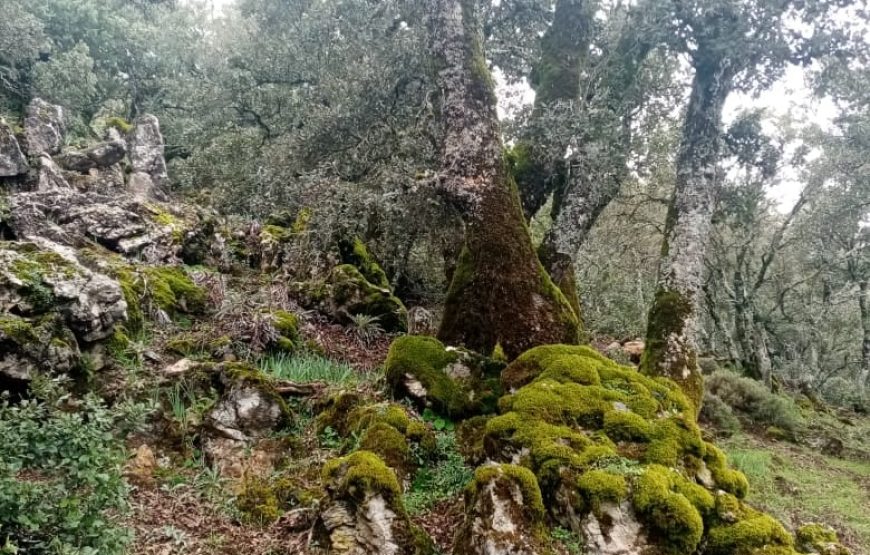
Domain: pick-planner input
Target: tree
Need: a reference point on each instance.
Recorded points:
(731, 44)
(500, 293)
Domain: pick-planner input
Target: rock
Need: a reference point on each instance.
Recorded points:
(363, 512)
(504, 513)
(421, 321)
(179, 368)
(78, 219)
(615, 531)
(249, 408)
(634, 350)
(42, 277)
(104, 181)
(140, 468)
(12, 160)
(149, 179)
(350, 294)
(44, 127)
(32, 346)
(51, 177)
(98, 156)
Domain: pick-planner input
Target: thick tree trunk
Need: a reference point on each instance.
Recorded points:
(864, 304)
(555, 78)
(500, 293)
(671, 349)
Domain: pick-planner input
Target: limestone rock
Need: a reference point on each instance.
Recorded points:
(98, 156)
(41, 277)
(616, 531)
(149, 179)
(51, 177)
(504, 513)
(140, 468)
(245, 412)
(30, 346)
(12, 160)
(107, 180)
(44, 127)
(363, 513)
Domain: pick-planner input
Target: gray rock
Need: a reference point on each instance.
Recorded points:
(246, 411)
(98, 156)
(42, 277)
(615, 531)
(102, 180)
(149, 178)
(29, 347)
(51, 177)
(44, 127)
(12, 160)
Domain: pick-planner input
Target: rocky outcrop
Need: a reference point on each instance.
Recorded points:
(98, 156)
(31, 346)
(12, 160)
(51, 177)
(44, 127)
(149, 179)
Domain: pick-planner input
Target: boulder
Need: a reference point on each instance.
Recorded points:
(363, 512)
(30, 346)
(98, 156)
(107, 180)
(346, 293)
(44, 127)
(149, 179)
(504, 513)
(12, 160)
(51, 177)
(615, 530)
(39, 278)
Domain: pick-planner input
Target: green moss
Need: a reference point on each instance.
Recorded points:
(390, 444)
(564, 361)
(241, 373)
(18, 329)
(354, 294)
(523, 478)
(814, 535)
(667, 318)
(600, 486)
(275, 234)
(357, 254)
(670, 514)
(150, 288)
(362, 473)
(626, 426)
(118, 343)
(287, 326)
(743, 537)
(730, 480)
(120, 124)
(303, 219)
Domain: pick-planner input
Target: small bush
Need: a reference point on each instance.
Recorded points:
(309, 367)
(753, 401)
(716, 413)
(60, 478)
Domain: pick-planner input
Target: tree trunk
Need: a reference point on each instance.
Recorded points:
(500, 293)
(864, 304)
(671, 348)
(539, 167)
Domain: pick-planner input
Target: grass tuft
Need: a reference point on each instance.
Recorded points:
(308, 367)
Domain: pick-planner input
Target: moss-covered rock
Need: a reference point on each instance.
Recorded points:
(158, 292)
(819, 538)
(452, 382)
(36, 346)
(609, 444)
(504, 513)
(363, 511)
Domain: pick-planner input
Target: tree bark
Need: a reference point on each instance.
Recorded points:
(671, 346)
(500, 293)
(555, 78)
(864, 304)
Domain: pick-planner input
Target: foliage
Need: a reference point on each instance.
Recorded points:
(309, 367)
(61, 489)
(443, 479)
(754, 401)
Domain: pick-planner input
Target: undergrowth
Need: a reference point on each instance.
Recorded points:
(308, 367)
(441, 480)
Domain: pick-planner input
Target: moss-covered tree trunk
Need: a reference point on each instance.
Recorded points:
(671, 348)
(555, 78)
(500, 293)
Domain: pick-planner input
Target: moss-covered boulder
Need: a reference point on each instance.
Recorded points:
(608, 445)
(452, 382)
(363, 513)
(504, 513)
(355, 253)
(158, 293)
(820, 539)
(29, 347)
(38, 278)
(386, 429)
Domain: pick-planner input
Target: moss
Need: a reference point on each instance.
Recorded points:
(352, 293)
(18, 329)
(165, 288)
(523, 478)
(626, 426)
(667, 319)
(241, 373)
(730, 480)
(118, 343)
(303, 219)
(568, 360)
(120, 124)
(362, 473)
(287, 326)
(357, 254)
(600, 486)
(275, 234)
(668, 513)
(743, 537)
(814, 535)
(390, 444)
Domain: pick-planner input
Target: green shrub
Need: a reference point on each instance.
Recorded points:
(61, 487)
(716, 413)
(752, 400)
